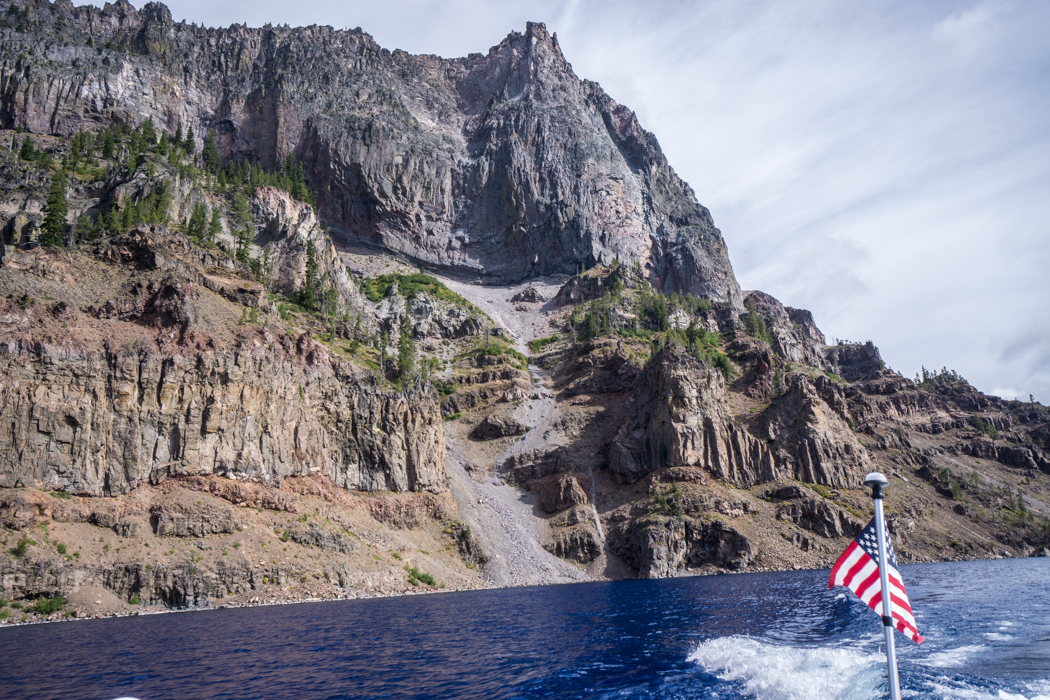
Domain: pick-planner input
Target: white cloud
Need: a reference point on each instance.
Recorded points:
(972, 27)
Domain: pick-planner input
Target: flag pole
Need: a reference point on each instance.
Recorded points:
(877, 482)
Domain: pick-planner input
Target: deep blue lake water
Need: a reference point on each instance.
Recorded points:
(778, 636)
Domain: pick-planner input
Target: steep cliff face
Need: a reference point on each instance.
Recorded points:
(198, 541)
(680, 417)
(503, 166)
(286, 232)
(812, 423)
(139, 372)
(103, 422)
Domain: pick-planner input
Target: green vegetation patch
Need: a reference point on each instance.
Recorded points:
(415, 577)
(443, 387)
(984, 426)
(46, 606)
(540, 343)
(23, 545)
(408, 286)
(498, 349)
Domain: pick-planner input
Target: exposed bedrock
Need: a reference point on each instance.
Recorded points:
(680, 417)
(504, 166)
(102, 421)
(660, 547)
(812, 423)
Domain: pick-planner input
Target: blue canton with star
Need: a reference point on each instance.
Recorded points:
(869, 542)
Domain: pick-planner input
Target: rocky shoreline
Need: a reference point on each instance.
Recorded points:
(258, 601)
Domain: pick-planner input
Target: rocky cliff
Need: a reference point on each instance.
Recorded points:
(504, 166)
(86, 413)
(681, 417)
(224, 376)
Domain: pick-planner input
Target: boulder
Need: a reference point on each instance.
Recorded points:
(496, 426)
(579, 544)
(557, 492)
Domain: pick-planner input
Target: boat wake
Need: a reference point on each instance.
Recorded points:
(754, 668)
(773, 672)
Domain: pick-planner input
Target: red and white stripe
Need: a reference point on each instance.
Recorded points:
(860, 573)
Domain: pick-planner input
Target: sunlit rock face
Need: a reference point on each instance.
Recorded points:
(503, 166)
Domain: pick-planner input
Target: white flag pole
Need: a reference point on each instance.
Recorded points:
(877, 482)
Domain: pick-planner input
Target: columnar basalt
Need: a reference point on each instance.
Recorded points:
(104, 421)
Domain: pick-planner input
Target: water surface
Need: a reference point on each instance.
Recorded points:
(777, 636)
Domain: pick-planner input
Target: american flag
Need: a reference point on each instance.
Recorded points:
(858, 570)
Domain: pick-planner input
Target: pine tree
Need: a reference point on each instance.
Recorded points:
(244, 242)
(73, 157)
(149, 132)
(590, 327)
(265, 269)
(84, 229)
(190, 144)
(108, 145)
(384, 341)
(163, 205)
(210, 154)
(406, 359)
(177, 140)
(308, 293)
(215, 225)
(198, 222)
(113, 220)
(27, 152)
(127, 218)
(55, 208)
(134, 146)
(240, 209)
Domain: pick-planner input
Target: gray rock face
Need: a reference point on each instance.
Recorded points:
(99, 423)
(287, 228)
(188, 518)
(314, 536)
(681, 418)
(579, 544)
(495, 426)
(504, 166)
(820, 517)
(427, 317)
(659, 549)
(812, 422)
(557, 493)
(853, 361)
(795, 335)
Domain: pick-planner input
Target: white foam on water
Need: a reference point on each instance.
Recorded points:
(998, 636)
(773, 672)
(956, 693)
(950, 657)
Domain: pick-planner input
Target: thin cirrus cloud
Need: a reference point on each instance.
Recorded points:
(886, 165)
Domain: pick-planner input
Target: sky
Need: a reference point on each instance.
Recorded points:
(884, 164)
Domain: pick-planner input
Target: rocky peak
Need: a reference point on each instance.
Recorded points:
(505, 166)
(526, 66)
